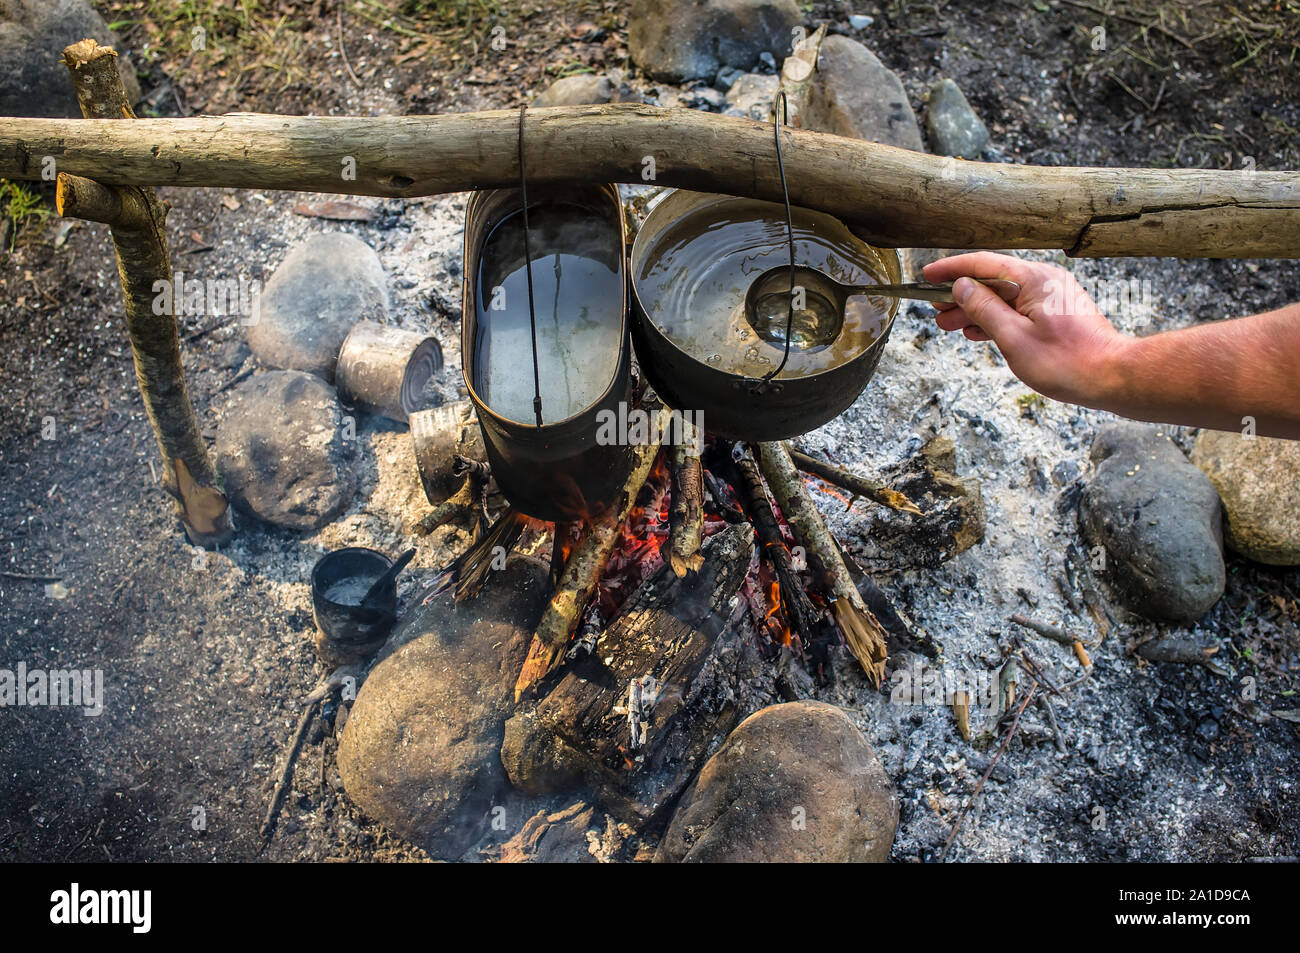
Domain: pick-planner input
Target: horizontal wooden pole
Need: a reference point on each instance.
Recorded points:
(897, 197)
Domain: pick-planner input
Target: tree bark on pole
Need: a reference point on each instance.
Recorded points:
(136, 219)
(895, 197)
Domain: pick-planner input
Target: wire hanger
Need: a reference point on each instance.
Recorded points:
(782, 115)
(528, 270)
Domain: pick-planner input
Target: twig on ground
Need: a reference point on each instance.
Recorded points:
(343, 49)
(1006, 740)
(323, 690)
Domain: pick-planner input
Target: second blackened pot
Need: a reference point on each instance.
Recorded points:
(691, 265)
(558, 470)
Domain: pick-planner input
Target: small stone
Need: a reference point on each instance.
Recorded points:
(705, 97)
(281, 451)
(796, 782)
(726, 78)
(584, 89)
(766, 62)
(751, 96)
(1160, 526)
(854, 94)
(421, 748)
(1258, 479)
(678, 40)
(325, 285)
(860, 21)
(953, 127)
(33, 34)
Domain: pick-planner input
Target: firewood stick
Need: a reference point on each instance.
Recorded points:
(461, 505)
(686, 515)
(799, 608)
(908, 199)
(582, 572)
(857, 485)
(862, 631)
(136, 219)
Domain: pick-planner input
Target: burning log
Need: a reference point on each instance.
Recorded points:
(857, 485)
(583, 569)
(136, 219)
(799, 608)
(686, 517)
(636, 717)
(862, 631)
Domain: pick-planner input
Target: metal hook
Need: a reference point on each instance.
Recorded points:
(528, 271)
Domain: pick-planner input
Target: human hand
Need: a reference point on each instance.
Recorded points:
(1053, 336)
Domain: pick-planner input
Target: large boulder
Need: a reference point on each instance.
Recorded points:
(33, 34)
(678, 40)
(954, 128)
(794, 782)
(325, 285)
(1258, 479)
(421, 748)
(282, 450)
(1158, 521)
(854, 94)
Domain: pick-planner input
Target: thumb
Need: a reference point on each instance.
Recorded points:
(986, 310)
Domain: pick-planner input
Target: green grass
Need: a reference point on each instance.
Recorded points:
(21, 206)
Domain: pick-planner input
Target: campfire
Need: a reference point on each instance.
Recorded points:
(713, 547)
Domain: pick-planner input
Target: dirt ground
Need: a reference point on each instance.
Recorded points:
(205, 661)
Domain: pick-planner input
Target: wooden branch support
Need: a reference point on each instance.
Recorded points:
(686, 514)
(136, 217)
(894, 196)
(582, 572)
(857, 485)
(862, 631)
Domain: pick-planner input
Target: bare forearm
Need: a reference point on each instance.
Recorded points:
(1213, 375)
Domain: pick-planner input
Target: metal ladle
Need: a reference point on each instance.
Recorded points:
(818, 302)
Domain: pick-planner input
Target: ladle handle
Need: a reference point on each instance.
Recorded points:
(940, 291)
(376, 590)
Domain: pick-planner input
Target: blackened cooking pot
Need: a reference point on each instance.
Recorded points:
(556, 469)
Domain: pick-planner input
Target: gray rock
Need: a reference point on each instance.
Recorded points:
(793, 783)
(705, 97)
(282, 453)
(325, 285)
(751, 96)
(954, 128)
(854, 94)
(677, 40)
(861, 21)
(584, 89)
(726, 78)
(421, 748)
(33, 34)
(1259, 482)
(1159, 522)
